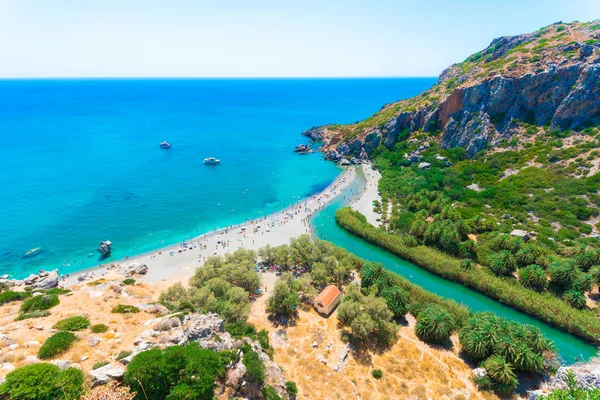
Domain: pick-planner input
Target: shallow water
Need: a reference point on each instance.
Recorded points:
(570, 347)
(80, 162)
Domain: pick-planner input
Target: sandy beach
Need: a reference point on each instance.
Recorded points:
(178, 262)
(364, 203)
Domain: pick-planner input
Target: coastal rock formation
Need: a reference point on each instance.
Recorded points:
(302, 149)
(547, 78)
(105, 248)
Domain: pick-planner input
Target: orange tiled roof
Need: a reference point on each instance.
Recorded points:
(328, 295)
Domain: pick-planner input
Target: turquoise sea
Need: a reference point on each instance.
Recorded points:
(80, 162)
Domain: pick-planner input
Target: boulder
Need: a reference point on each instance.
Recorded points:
(62, 364)
(344, 161)
(31, 360)
(48, 281)
(157, 309)
(167, 325)
(105, 248)
(202, 326)
(93, 341)
(103, 375)
(7, 367)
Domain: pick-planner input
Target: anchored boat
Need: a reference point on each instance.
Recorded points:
(211, 161)
(165, 145)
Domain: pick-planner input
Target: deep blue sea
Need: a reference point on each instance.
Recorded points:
(80, 161)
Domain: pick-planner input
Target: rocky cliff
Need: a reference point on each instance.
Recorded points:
(547, 78)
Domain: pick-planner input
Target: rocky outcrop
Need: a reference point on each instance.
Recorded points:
(302, 149)
(544, 78)
(103, 375)
(105, 248)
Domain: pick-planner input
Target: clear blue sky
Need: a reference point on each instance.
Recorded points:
(261, 38)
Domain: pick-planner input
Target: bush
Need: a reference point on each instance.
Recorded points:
(129, 281)
(43, 381)
(76, 323)
(291, 388)
(39, 303)
(35, 314)
(123, 353)
(125, 309)
(269, 393)
(254, 365)
(7, 297)
(176, 372)
(100, 364)
(435, 325)
(99, 328)
(56, 345)
(240, 329)
(377, 374)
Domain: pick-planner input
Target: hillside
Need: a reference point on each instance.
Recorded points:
(548, 78)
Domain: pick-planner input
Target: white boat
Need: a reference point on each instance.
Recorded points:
(165, 145)
(211, 161)
(32, 252)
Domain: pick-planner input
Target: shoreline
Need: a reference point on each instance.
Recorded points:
(179, 261)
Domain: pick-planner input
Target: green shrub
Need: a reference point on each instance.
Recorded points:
(176, 372)
(100, 364)
(435, 325)
(263, 340)
(269, 393)
(43, 381)
(125, 309)
(254, 365)
(377, 374)
(7, 297)
(240, 329)
(123, 353)
(99, 328)
(39, 303)
(34, 314)
(56, 345)
(291, 388)
(129, 281)
(76, 323)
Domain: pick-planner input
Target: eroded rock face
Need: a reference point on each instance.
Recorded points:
(473, 109)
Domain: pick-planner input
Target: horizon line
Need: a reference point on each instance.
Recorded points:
(208, 77)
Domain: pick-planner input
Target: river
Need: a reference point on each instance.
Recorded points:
(570, 348)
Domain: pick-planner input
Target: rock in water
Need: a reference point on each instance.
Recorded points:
(105, 248)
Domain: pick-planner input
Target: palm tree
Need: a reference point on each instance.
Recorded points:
(502, 373)
(370, 273)
(507, 347)
(435, 325)
(533, 277)
(575, 298)
(397, 300)
(475, 344)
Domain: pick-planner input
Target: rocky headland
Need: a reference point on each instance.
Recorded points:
(549, 78)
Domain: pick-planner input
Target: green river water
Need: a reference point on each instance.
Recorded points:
(571, 349)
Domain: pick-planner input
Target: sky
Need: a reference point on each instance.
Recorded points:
(261, 38)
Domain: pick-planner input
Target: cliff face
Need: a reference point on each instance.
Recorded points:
(550, 77)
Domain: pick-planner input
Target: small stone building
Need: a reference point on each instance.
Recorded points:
(326, 301)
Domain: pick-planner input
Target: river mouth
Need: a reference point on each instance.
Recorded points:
(571, 349)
